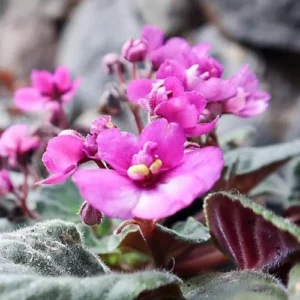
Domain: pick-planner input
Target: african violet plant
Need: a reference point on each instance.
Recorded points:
(164, 213)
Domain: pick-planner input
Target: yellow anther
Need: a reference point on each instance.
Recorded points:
(155, 166)
(138, 172)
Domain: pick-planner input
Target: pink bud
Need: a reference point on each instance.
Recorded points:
(113, 63)
(135, 50)
(89, 215)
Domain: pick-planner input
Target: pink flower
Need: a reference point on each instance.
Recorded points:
(63, 155)
(167, 99)
(69, 149)
(135, 50)
(249, 101)
(90, 143)
(48, 90)
(152, 177)
(154, 37)
(5, 183)
(17, 144)
(203, 77)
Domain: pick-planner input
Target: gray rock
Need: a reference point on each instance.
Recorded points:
(28, 33)
(262, 23)
(173, 16)
(95, 29)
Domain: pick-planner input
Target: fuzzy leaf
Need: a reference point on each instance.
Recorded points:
(246, 285)
(182, 238)
(249, 166)
(253, 236)
(294, 283)
(59, 201)
(48, 262)
(189, 231)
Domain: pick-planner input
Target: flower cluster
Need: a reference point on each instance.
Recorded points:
(171, 162)
(185, 72)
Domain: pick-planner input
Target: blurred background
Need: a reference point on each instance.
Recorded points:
(41, 34)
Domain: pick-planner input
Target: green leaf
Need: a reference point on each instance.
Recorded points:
(47, 261)
(237, 137)
(294, 283)
(246, 285)
(247, 167)
(189, 231)
(58, 201)
(251, 235)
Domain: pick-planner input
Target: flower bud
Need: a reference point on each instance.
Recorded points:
(113, 63)
(135, 50)
(89, 215)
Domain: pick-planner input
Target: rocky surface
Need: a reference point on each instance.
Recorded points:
(29, 32)
(173, 16)
(261, 23)
(96, 28)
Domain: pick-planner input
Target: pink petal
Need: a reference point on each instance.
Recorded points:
(117, 148)
(179, 187)
(153, 35)
(171, 68)
(13, 137)
(58, 177)
(29, 99)
(245, 79)
(138, 89)
(216, 89)
(42, 81)
(29, 143)
(201, 128)
(178, 110)
(253, 108)
(69, 95)
(175, 86)
(237, 103)
(62, 78)
(170, 139)
(170, 50)
(107, 191)
(197, 99)
(201, 49)
(63, 152)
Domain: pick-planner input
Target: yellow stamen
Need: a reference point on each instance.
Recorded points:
(155, 166)
(138, 172)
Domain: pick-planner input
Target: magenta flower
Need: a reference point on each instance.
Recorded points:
(69, 149)
(249, 101)
(63, 155)
(152, 177)
(203, 78)
(48, 91)
(151, 39)
(90, 143)
(17, 144)
(5, 183)
(167, 99)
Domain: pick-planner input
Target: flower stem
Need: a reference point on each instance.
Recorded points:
(63, 122)
(147, 229)
(137, 117)
(134, 71)
(22, 198)
(119, 75)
